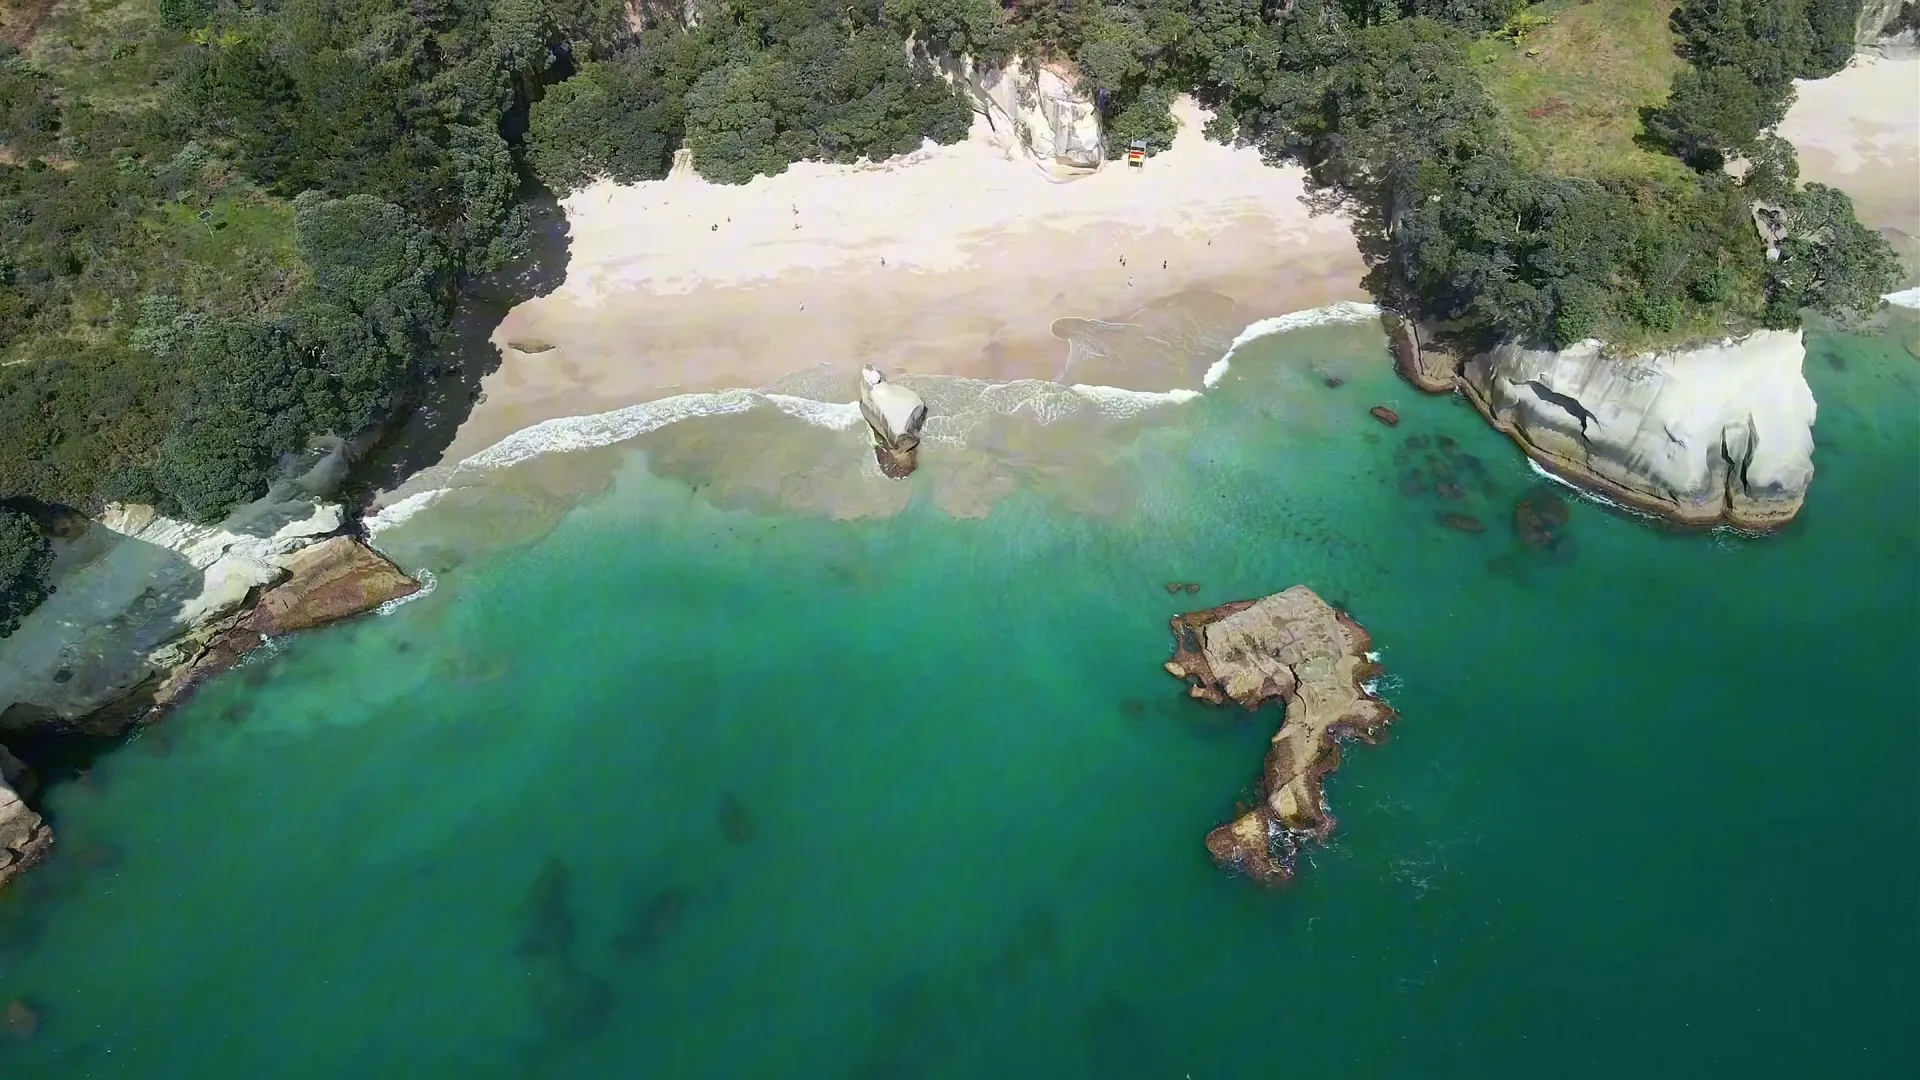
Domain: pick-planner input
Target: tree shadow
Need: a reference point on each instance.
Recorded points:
(419, 438)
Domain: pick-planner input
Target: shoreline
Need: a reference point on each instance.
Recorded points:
(679, 286)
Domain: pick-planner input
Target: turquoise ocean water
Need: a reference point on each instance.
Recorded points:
(664, 779)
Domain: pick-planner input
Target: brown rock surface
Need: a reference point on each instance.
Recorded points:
(326, 582)
(1385, 415)
(1295, 648)
(25, 839)
(23, 1021)
(329, 581)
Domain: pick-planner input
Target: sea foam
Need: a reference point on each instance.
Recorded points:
(1906, 298)
(389, 516)
(1345, 311)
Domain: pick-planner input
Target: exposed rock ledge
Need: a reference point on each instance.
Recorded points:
(140, 598)
(1718, 433)
(1035, 110)
(1715, 434)
(1294, 647)
(25, 840)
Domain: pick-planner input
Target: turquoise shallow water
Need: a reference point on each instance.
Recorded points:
(670, 788)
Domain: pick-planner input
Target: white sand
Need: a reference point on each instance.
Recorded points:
(1859, 131)
(953, 260)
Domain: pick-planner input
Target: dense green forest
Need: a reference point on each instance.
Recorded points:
(228, 226)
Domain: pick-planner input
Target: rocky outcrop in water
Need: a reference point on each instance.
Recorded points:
(332, 580)
(1294, 648)
(895, 415)
(1719, 433)
(25, 839)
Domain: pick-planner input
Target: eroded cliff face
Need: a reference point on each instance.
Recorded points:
(1719, 433)
(1037, 112)
(894, 415)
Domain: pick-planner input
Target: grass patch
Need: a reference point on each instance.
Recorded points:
(1572, 91)
(240, 258)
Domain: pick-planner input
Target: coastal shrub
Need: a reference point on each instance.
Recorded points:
(1148, 118)
(973, 28)
(25, 558)
(1829, 261)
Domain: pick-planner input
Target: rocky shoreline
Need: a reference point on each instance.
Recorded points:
(145, 608)
(1295, 648)
(1719, 433)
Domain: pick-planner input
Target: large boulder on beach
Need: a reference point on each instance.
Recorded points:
(330, 581)
(895, 415)
(139, 596)
(1716, 433)
(1296, 649)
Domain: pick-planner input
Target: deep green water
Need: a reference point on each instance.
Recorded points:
(1652, 808)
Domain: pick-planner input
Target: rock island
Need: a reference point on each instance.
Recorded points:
(1295, 648)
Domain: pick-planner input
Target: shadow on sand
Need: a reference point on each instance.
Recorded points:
(454, 371)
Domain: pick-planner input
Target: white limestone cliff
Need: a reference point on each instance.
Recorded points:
(1035, 111)
(1715, 433)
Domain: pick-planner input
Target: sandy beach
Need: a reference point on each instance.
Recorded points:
(954, 260)
(1859, 131)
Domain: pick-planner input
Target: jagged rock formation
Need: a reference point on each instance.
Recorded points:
(1720, 433)
(1037, 111)
(25, 839)
(139, 596)
(327, 582)
(895, 414)
(1295, 648)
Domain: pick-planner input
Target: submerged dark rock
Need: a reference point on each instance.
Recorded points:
(547, 929)
(23, 1020)
(1539, 516)
(652, 922)
(1465, 523)
(735, 823)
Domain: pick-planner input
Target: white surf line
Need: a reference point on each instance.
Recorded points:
(1344, 311)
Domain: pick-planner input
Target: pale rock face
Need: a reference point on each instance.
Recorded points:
(1038, 113)
(1715, 433)
(895, 414)
(132, 591)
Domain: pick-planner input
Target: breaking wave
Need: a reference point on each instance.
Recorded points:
(1906, 298)
(1345, 311)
